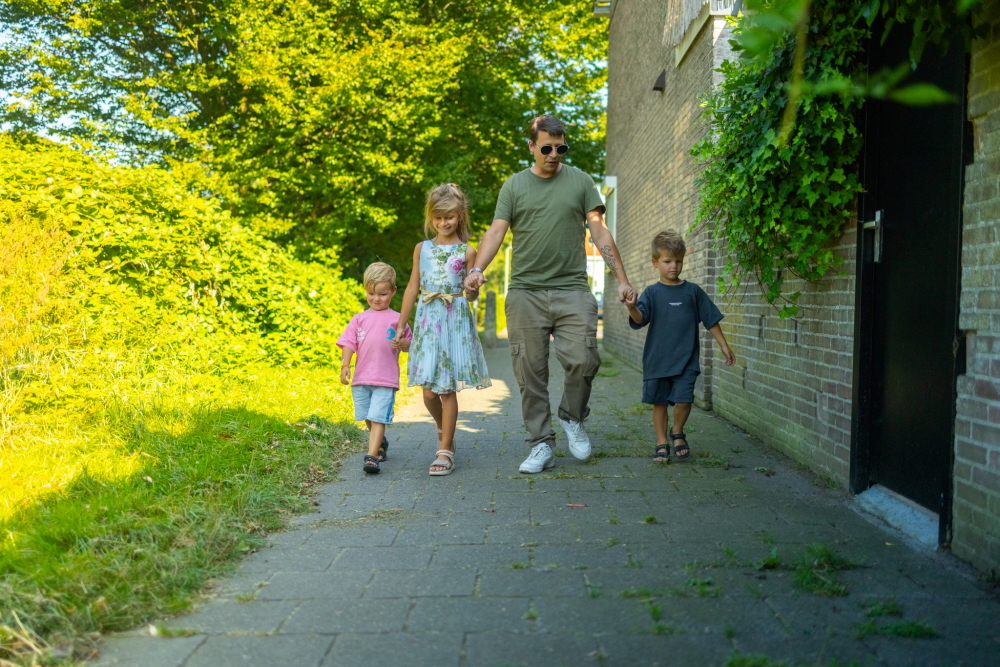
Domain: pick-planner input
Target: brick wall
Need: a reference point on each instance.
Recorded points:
(976, 534)
(650, 134)
(792, 381)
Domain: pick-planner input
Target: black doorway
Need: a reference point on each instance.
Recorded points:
(907, 341)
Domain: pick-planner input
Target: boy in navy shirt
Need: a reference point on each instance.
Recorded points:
(672, 308)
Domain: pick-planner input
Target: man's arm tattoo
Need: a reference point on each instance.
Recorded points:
(609, 259)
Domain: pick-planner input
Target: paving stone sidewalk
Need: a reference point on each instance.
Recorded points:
(617, 561)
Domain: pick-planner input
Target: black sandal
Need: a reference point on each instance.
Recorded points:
(661, 452)
(383, 450)
(371, 464)
(681, 436)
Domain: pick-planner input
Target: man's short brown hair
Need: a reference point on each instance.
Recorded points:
(668, 241)
(550, 124)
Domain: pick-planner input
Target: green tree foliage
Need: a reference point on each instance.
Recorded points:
(115, 266)
(321, 123)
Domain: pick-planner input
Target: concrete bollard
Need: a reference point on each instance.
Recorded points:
(490, 320)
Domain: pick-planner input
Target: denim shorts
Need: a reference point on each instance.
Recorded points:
(670, 391)
(373, 403)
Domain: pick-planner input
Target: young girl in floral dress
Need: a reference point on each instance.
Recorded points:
(445, 355)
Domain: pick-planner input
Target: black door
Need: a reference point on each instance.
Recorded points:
(909, 282)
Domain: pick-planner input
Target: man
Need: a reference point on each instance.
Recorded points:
(545, 207)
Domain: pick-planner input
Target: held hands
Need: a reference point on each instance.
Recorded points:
(474, 281)
(471, 294)
(625, 292)
(631, 301)
(401, 342)
(345, 375)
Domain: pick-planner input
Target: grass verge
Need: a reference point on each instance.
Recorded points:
(124, 515)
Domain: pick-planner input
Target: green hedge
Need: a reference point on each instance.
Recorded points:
(117, 267)
(165, 393)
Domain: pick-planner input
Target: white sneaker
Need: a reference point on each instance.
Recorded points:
(539, 459)
(579, 443)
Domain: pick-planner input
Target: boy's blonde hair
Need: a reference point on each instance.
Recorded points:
(379, 273)
(442, 200)
(668, 241)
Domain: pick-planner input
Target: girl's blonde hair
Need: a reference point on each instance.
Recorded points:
(442, 200)
(379, 273)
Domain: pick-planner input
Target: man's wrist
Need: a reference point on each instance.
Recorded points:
(476, 269)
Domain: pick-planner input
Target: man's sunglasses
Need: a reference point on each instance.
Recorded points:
(560, 149)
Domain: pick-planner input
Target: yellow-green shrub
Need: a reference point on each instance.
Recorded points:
(162, 393)
(106, 268)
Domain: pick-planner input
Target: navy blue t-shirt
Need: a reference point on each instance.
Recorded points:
(672, 313)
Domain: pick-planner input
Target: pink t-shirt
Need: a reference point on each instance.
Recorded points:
(370, 335)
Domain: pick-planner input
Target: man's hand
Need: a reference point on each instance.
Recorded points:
(632, 300)
(345, 375)
(474, 281)
(625, 292)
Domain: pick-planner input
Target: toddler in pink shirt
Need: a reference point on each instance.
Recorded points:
(376, 372)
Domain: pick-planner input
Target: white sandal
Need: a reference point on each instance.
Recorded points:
(449, 464)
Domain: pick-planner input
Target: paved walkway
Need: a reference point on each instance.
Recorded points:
(612, 562)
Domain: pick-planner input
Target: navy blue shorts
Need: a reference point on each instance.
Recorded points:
(671, 390)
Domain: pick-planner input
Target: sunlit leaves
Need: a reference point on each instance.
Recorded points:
(129, 258)
(768, 22)
(322, 123)
(920, 94)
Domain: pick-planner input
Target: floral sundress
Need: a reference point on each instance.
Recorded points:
(445, 355)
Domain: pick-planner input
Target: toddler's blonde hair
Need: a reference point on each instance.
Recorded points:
(442, 200)
(379, 273)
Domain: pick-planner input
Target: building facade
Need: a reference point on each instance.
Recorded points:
(800, 384)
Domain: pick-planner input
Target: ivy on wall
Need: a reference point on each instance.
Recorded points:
(773, 205)
(780, 177)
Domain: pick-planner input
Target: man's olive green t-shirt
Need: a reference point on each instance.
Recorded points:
(547, 218)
